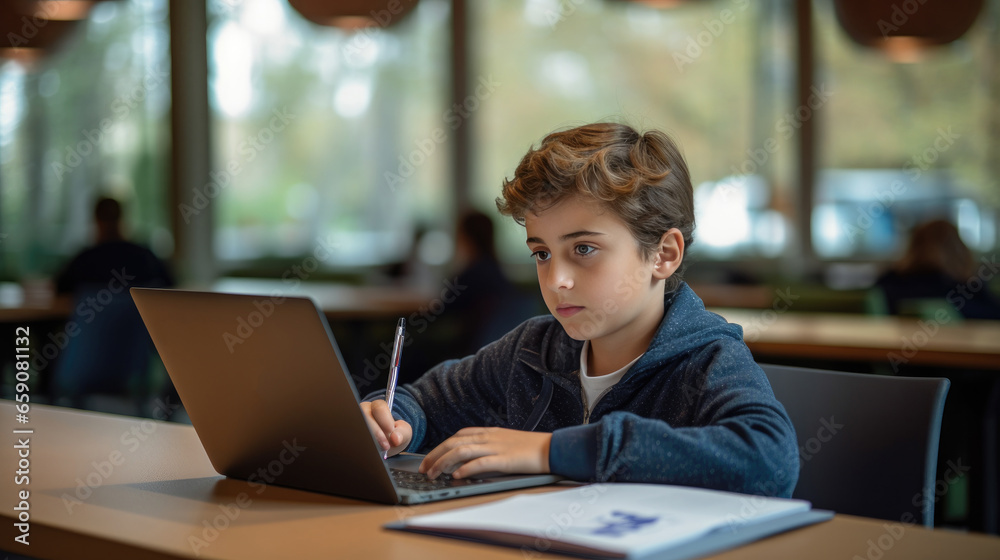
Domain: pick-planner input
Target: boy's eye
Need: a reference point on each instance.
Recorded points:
(584, 249)
(540, 255)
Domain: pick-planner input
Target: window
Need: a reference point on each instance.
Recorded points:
(905, 142)
(717, 76)
(90, 118)
(324, 137)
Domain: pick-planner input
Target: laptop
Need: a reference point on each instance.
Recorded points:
(267, 391)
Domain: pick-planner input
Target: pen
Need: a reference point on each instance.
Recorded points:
(397, 353)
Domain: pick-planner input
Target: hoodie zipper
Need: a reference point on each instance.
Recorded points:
(586, 405)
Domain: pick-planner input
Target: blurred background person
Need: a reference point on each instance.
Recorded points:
(484, 304)
(111, 254)
(939, 267)
(107, 348)
(489, 305)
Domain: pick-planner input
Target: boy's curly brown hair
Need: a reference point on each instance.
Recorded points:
(642, 178)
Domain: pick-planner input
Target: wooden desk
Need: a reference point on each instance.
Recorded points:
(338, 301)
(847, 337)
(34, 304)
(107, 486)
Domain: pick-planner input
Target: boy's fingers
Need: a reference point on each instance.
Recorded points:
(400, 438)
(451, 461)
(447, 458)
(373, 426)
(382, 416)
(392, 435)
(402, 434)
(479, 465)
(432, 457)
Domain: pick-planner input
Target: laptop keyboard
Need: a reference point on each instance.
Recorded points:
(419, 481)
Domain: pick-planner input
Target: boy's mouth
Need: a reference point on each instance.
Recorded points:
(566, 310)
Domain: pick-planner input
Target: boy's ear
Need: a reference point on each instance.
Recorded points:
(669, 254)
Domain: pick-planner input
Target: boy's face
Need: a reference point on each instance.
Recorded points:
(592, 275)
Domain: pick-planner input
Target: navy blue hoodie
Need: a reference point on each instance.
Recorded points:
(695, 410)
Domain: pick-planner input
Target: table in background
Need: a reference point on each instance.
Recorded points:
(35, 303)
(338, 301)
(105, 486)
(361, 317)
(864, 338)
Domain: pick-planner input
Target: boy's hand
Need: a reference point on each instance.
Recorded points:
(393, 435)
(482, 450)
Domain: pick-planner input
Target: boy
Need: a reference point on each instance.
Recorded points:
(630, 379)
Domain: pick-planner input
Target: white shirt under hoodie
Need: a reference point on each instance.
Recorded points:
(595, 387)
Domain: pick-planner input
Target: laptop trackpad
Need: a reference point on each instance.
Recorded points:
(409, 462)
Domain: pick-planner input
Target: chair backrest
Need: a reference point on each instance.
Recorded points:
(108, 351)
(868, 444)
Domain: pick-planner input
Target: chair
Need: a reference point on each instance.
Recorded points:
(868, 444)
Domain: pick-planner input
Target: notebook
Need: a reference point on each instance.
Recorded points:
(267, 391)
(621, 520)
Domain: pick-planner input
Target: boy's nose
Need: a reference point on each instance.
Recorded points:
(560, 277)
